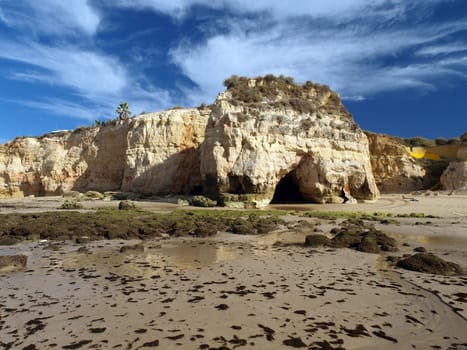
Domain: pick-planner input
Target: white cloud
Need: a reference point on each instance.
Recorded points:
(347, 60)
(56, 17)
(87, 72)
(280, 9)
(100, 80)
(442, 49)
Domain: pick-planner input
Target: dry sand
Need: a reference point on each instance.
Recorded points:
(244, 292)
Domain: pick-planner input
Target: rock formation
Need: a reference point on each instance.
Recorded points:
(153, 153)
(394, 169)
(266, 130)
(258, 137)
(455, 175)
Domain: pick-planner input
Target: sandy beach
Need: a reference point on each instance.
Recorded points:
(240, 291)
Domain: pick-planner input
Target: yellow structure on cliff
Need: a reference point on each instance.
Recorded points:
(444, 152)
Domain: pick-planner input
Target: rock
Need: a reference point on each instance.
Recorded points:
(250, 147)
(369, 244)
(126, 205)
(71, 204)
(394, 169)
(93, 195)
(132, 248)
(72, 194)
(455, 176)
(429, 263)
(251, 142)
(356, 235)
(183, 202)
(83, 239)
(317, 240)
(10, 263)
(420, 249)
(202, 201)
(150, 154)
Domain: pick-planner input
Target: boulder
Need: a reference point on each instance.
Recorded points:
(429, 263)
(394, 168)
(317, 240)
(455, 176)
(126, 205)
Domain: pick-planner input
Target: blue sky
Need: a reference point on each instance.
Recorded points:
(399, 65)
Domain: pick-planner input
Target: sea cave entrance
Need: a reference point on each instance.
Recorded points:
(287, 191)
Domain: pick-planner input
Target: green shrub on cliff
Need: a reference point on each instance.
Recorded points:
(283, 92)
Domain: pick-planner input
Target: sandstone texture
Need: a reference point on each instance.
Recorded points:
(455, 176)
(258, 136)
(394, 169)
(252, 143)
(152, 153)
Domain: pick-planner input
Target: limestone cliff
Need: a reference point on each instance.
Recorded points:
(394, 169)
(258, 136)
(152, 153)
(262, 131)
(455, 175)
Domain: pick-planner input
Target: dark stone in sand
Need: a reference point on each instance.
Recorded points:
(151, 344)
(369, 244)
(419, 250)
(126, 205)
(294, 343)
(359, 331)
(30, 347)
(13, 262)
(429, 263)
(77, 345)
(355, 235)
(317, 241)
(222, 307)
(97, 330)
(132, 248)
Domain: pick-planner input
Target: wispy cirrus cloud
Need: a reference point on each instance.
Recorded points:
(280, 9)
(87, 72)
(101, 80)
(54, 17)
(349, 44)
(349, 59)
(443, 49)
(358, 47)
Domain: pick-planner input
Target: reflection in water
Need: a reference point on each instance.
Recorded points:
(154, 260)
(438, 240)
(188, 255)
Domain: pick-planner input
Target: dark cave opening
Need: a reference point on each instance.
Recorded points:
(287, 191)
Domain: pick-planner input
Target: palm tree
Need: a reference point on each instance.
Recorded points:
(123, 111)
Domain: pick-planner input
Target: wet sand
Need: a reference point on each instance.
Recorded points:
(229, 291)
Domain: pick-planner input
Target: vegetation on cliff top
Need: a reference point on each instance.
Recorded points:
(284, 92)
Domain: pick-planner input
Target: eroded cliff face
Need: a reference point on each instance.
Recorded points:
(260, 139)
(455, 175)
(153, 153)
(163, 152)
(394, 169)
(251, 146)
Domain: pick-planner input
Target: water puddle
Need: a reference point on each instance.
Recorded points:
(156, 259)
(431, 240)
